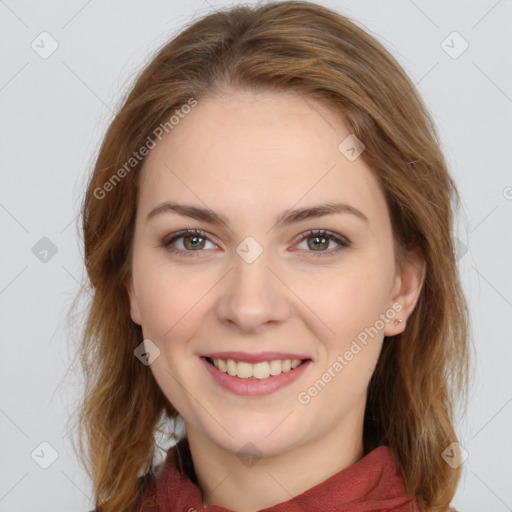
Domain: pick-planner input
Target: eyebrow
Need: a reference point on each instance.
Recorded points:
(285, 218)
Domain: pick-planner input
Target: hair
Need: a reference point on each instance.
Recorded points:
(301, 47)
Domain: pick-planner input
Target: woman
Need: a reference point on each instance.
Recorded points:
(268, 235)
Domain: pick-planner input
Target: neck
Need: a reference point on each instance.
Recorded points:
(225, 481)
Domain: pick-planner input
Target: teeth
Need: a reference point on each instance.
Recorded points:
(261, 370)
(244, 370)
(275, 367)
(231, 367)
(223, 367)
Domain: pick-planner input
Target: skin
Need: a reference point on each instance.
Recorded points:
(251, 156)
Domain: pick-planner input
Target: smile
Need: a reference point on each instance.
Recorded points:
(260, 370)
(257, 378)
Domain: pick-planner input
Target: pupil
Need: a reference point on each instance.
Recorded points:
(319, 241)
(194, 241)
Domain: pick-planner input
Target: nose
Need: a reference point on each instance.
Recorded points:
(254, 296)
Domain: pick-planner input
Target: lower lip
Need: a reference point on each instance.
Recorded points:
(255, 387)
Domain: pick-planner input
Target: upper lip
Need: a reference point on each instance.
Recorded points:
(255, 358)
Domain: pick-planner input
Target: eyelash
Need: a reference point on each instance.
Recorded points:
(342, 241)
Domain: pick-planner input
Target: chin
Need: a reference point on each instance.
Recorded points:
(262, 441)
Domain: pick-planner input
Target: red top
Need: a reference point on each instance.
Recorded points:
(372, 484)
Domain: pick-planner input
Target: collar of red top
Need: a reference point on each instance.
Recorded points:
(372, 484)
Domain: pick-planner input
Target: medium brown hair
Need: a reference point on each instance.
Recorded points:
(305, 48)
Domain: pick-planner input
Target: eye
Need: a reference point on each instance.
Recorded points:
(317, 242)
(190, 240)
(321, 240)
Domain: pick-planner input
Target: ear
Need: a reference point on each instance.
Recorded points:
(407, 287)
(134, 305)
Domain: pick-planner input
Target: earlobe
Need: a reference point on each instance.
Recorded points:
(408, 285)
(134, 306)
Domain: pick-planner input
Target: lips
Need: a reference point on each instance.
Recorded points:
(255, 382)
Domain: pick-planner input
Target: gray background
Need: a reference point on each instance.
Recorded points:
(54, 112)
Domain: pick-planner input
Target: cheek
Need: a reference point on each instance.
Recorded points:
(168, 297)
(350, 307)
(350, 303)
(349, 299)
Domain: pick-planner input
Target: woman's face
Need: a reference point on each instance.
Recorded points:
(254, 285)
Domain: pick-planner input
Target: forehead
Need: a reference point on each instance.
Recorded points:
(257, 149)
